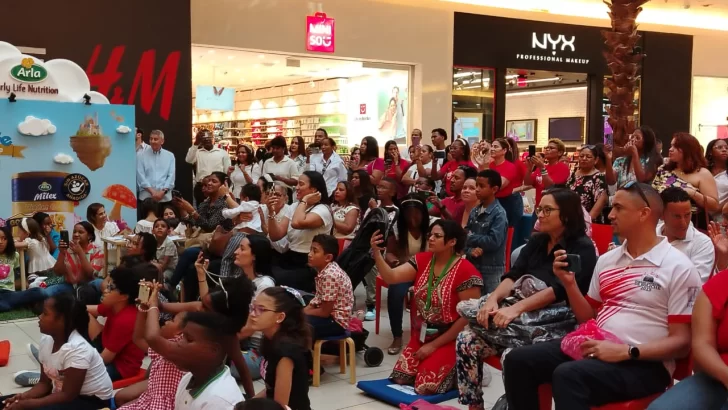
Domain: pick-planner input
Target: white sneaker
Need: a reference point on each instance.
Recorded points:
(487, 376)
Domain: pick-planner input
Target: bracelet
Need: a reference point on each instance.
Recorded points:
(303, 202)
(201, 281)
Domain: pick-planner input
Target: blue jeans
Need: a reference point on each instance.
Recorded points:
(396, 295)
(51, 291)
(323, 327)
(186, 259)
(699, 391)
(513, 205)
(9, 299)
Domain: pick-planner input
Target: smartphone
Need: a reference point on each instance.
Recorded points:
(64, 236)
(388, 162)
(440, 154)
(574, 262)
(531, 151)
(144, 293)
(176, 194)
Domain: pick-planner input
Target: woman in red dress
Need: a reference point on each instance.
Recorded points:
(441, 280)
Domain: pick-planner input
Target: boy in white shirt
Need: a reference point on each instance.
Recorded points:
(250, 196)
(208, 385)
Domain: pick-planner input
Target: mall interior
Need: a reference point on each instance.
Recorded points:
(252, 70)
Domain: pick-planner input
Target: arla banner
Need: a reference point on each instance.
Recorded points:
(320, 33)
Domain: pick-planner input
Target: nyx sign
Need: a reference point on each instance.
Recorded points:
(547, 41)
(554, 43)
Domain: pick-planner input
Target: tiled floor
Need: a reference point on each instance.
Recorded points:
(335, 391)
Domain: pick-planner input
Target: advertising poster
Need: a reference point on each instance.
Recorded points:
(59, 158)
(377, 106)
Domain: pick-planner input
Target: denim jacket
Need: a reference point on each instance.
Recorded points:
(487, 229)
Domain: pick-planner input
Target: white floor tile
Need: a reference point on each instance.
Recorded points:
(31, 329)
(16, 364)
(17, 337)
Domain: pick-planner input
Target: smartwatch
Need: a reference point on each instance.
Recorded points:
(634, 352)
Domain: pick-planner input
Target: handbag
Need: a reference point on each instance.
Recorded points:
(218, 241)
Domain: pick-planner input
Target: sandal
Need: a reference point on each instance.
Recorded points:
(393, 349)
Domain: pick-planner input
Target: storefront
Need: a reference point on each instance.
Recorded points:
(565, 66)
(709, 111)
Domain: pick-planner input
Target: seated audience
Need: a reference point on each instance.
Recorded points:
(208, 214)
(645, 289)
(52, 235)
(364, 191)
(40, 261)
(113, 339)
(79, 262)
(169, 212)
(421, 167)
(72, 374)
(150, 208)
(487, 227)
(9, 266)
(345, 211)
(277, 312)
(452, 207)
(310, 217)
(282, 206)
(427, 361)
(676, 225)
(329, 311)
(590, 183)
(547, 170)
(250, 197)
(706, 389)
(560, 229)
(166, 256)
(409, 239)
(103, 228)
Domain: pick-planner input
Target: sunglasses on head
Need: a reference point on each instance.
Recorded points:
(634, 185)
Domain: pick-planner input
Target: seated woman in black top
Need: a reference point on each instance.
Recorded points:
(277, 312)
(562, 227)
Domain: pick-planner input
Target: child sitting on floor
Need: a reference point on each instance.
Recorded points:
(9, 264)
(40, 261)
(170, 213)
(329, 311)
(167, 255)
(250, 202)
(150, 208)
(113, 339)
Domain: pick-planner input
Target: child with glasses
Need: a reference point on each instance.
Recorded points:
(278, 312)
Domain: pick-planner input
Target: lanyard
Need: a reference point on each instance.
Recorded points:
(428, 301)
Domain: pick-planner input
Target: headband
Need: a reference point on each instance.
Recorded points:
(24, 224)
(411, 200)
(296, 294)
(267, 177)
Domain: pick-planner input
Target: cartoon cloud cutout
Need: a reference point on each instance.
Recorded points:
(63, 159)
(36, 126)
(123, 129)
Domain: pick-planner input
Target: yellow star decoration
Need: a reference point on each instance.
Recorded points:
(27, 62)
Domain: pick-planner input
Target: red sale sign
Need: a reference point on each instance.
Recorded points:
(320, 33)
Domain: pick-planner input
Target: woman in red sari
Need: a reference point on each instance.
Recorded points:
(441, 280)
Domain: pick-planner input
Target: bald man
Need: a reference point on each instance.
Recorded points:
(642, 292)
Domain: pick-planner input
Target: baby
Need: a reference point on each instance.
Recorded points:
(250, 202)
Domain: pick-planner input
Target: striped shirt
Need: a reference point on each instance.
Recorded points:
(73, 262)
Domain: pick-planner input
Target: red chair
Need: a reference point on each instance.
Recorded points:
(509, 245)
(120, 384)
(544, 390)
(602, 236)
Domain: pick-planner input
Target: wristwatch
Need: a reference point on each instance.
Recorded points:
(634, 352)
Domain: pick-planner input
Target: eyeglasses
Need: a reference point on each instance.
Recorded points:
(256, 310)
(633, 184)
(546, 210)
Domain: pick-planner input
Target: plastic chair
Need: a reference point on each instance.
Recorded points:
(120, 384)
(343, 340)
(509, 245)
(602, 236)
(378, 285)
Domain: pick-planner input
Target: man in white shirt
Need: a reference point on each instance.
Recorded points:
(155, 170)
(681, 233)
(421, 166)
(645, 300)
(439, 138)
(207, 159)
(140, 144)
(329, 164)
(208, 385)
(281, 167)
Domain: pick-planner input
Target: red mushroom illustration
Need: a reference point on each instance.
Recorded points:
(120, 196)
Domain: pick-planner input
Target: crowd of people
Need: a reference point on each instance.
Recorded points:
(235, 283)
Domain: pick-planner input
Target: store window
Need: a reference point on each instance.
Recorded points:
(708, 111)
(473, 103)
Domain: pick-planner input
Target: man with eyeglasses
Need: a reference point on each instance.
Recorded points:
(645, 300)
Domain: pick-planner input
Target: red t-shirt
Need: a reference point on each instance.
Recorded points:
(117, 337)
(391, 173)
(511, 172)
(716, 289)
(455, 206)
(558, 172)
(449, 168)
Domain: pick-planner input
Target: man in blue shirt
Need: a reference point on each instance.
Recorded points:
(487, 228)
(155, 171)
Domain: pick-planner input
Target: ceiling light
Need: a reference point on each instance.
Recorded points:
(212, 61)
(261, 56)
(548, 91)
(277, 62)
(231, 57)
(242, 80)
(290, 89)
(211, 51)
(465, 74)
(237, 70)
(256, 65)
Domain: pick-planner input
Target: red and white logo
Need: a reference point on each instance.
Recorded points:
(362, 109)
(320, 33)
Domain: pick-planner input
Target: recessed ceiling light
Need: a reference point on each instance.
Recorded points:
(242, 80)
(212, 61)
(237, 70)
(261, 56)
(211, 51)
(290, 89)
(277, 62)
(256, 65)
(231, 57)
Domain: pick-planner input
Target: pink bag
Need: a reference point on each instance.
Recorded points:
(571, 344)
(423, 405)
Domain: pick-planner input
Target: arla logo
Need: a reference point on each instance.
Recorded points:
(547, 41)
(44, 195)
(28, 72)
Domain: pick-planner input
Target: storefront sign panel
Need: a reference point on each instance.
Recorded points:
(320, 35)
